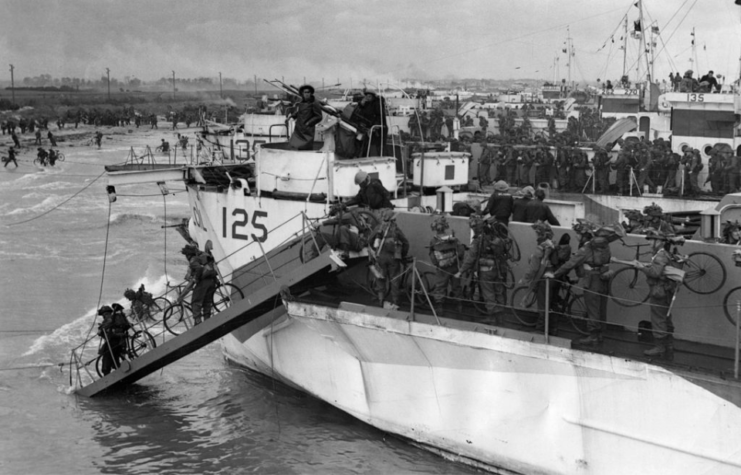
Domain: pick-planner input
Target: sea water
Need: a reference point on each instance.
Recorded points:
(65, 249)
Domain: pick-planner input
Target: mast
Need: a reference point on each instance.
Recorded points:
(642, 39)
(693, 58)
(625, 47)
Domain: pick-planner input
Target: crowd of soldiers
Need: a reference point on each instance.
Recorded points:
(639, 166)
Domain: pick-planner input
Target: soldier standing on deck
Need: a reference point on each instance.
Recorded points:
(602, 170)
(540, 265)
(662, 289)
(488, 256)
(593, 261)
(445, 254)
(389, 246)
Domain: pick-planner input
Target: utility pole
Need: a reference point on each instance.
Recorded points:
(221, 87)
(108, 74)
(255, 76)
(12, 83)
(173, 84)
(625, 46)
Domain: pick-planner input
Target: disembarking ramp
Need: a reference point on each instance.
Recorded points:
(256, 304)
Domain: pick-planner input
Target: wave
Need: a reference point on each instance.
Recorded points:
(61, 341)
(125, 218)
(45, 205)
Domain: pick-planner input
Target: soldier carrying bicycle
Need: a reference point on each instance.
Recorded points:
(592, 261)
(202, 273)
(113, 331)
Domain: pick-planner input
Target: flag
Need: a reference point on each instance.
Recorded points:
(637, 25)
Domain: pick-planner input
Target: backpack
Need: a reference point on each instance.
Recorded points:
(209, 270)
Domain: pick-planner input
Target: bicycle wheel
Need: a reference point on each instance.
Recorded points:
(421, 289)
(99, 366)
(628, 287)
(704, 273)
(577, 314)
(225, 295)
(60, 156)
(154, 311)
(141, 342)
(509, 279)
(524, 306)
(178, 318)
(730, 304)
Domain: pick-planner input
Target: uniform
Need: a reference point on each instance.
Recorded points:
(661, 292)
(390, 246)
(488, 255)
(445, 253)
(592, 261)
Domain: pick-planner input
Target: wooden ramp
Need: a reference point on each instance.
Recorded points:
(258, 303)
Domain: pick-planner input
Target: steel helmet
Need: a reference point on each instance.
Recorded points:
(104, 309)
(543, 229)
(360, 177)
(440, 224)
(116, 307)
(653, 210)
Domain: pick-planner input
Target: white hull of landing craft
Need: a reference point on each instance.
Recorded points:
(510, 405)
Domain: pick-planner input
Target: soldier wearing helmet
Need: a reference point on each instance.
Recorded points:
(731, 233)
(202, 277)
(539, 265)
(656, 220)
(445, 254)
(112, 330)
(488, 257)
(372, 193)
(592, 261)
(662, 289)
(388, 247)
(500, 203)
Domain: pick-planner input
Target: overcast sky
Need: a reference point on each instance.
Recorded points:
(372, 39)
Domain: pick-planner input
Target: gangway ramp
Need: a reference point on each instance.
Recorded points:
(257, 303)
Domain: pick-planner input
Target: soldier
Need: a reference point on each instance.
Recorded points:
(672, 167)
(11, 158)
(592, 261)
(635, 222)
(51, 138)
(731, 169)
(307, 114)
(563, 163)
(656, 219)
(510, 165)
(445, 254)
(16, 142)
(580, 165)
(38, 137)
(351, 234)
(645, 163)
(488, 256)
(602, 170)
(543, 165)
(695, 166)
(662, 289)
(731, 233)
(389, 246)
(500, 203)
(621, 167)
(715, 172)
(485, 161)
(539, 265)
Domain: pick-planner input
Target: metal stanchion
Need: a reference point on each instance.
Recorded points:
(738, 325)
(547, 306)
(414, 284)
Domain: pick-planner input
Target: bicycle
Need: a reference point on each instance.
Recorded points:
(422, 289)
(704, 274)
(565, 304)
(60, 156)
(730, 304)
(178, 316)
(135, 345)
(40, 162)
(471, 289)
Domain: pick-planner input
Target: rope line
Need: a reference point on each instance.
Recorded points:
(64, 202)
